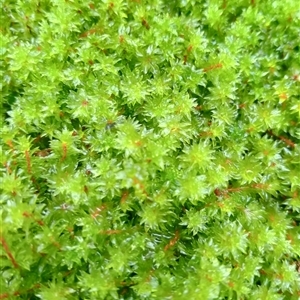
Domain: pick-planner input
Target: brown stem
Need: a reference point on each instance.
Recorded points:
(124, 196)
(216, 66)
(9, 254)
(145, 24)
(282, 138)
(10, 144)
(287, 141)
(65, 151)
(173, 241)
(87, 33)
(27, 155)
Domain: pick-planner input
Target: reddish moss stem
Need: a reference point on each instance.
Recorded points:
(260, 186)
(10, 144)
(282, 138)
(9, 254)
(124, 196)
(87, 33)
(173, 241)
(65, 151)
(216, 66)
(28, 161)
(145, 24)
(287, 141)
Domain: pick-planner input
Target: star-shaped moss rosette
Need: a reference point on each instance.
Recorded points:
(150, 149)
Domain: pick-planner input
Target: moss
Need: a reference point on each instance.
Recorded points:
(150, 149)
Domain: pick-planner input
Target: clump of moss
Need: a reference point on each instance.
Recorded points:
(150, 149)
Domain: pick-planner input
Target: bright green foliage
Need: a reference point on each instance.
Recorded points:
(150, 149)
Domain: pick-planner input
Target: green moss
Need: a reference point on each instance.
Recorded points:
(150, 149)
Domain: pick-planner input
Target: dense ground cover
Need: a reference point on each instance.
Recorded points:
(150, 149)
